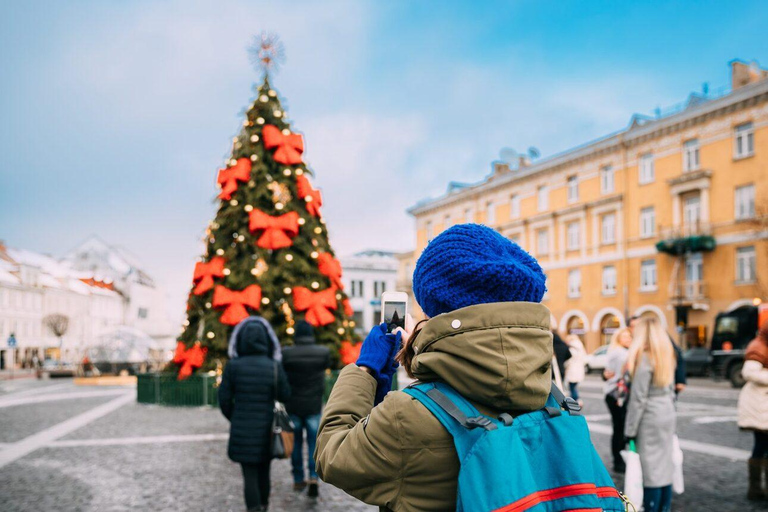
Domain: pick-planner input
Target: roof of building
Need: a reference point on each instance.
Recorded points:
(641, 127)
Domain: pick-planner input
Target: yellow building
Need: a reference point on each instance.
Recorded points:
(694, 181)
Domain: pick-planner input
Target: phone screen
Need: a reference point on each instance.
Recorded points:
(394, 315)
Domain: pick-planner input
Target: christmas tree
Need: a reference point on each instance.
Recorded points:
(267, 251)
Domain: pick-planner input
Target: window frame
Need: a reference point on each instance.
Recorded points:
(490, 213)
(649, 265)
(607, 179)
(573, 243)
(647, 215)
(751, 258)
(646, 169)
(609, 270)
(514, 206)
(542, 234)
(574, 278)
(542, 198)
(572, 187)
(738, 200)
(691, 148)
(744, 132)
(612, 239)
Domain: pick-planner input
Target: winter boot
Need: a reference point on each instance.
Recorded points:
(757, 467)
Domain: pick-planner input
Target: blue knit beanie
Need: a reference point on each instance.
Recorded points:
(470, 264)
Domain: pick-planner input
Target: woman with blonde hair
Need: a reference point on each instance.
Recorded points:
(615, 389)
(651, 418)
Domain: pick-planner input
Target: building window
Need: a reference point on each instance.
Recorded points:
(647, 222)
(609, 229)
(490, 214)
(542, 195)
(514, 206)
(356, 289)
(574, 283)
(647, 173)
(429, 230)
(745, 202)
(744, 141)
(609, 280)
(468, 216)
(447, 221)
(745, 265)
(648, 275)
(542, 242)
(142, 313)
(573, 231)
(691, 155)
(573, 189)
(607, 182)
(379, 287)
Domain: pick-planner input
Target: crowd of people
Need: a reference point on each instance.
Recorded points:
(488, 339)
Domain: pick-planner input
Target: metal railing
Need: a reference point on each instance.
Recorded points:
(686, 230)
(690, 290)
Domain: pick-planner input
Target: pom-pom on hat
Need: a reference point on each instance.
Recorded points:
(471, 264)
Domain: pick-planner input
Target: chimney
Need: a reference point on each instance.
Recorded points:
(744, 74)
(523, 161)
(500, 168)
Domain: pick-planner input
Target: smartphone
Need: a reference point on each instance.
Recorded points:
(394, 307)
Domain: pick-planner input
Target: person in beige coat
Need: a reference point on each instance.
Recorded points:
(487, 337)
(753, 412)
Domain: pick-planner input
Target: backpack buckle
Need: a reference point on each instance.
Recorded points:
(479, 421)
(571, 405)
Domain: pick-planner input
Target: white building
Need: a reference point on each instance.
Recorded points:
(96, 300)
(366, 275)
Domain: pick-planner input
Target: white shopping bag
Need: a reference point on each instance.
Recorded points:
(633, 477)
(678, 483)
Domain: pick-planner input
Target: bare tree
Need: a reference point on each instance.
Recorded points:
(58, 324)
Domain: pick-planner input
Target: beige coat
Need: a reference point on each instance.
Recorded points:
(753, 399)
(397, 455)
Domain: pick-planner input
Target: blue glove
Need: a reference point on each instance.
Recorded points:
(378, 350)
(384, 381)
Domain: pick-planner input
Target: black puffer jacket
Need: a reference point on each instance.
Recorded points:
(305, 363)
(247, 394)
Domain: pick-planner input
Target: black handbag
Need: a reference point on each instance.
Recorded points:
(282, 428)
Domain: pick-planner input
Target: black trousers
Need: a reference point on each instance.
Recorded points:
(760, 451)
(618, 418)
(256, 479)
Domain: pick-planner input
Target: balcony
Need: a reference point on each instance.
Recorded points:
(689, 291)
(687, 238)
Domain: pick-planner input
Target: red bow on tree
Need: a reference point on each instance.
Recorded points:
(289, 147)
(205, 272)
(316, 304)
(235, 302)
(348, 308)
(330, 268)
(229, 177)
(189, 359)
(277, 230)
(349, 352)
(311, 195)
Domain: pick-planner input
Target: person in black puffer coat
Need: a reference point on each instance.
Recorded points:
(305, 363)
(246, 397)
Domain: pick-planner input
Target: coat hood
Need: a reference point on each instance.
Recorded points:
(497, 355)
(254, 335)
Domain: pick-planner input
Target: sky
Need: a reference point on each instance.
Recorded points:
(115, 116)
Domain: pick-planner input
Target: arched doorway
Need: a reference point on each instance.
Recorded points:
(609, 324)
(576, 326)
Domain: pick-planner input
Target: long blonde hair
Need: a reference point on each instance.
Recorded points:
(615, 338)
(651, 338)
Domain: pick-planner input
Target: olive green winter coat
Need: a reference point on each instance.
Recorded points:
(397, 455)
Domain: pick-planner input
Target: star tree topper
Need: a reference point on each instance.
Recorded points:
(267, 52)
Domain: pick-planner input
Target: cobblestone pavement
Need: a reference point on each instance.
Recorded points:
(69, 448)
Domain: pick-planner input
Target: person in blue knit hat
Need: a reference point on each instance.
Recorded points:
(472, 264)
(487, 336)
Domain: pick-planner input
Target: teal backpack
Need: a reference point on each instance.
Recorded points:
(542, 461)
